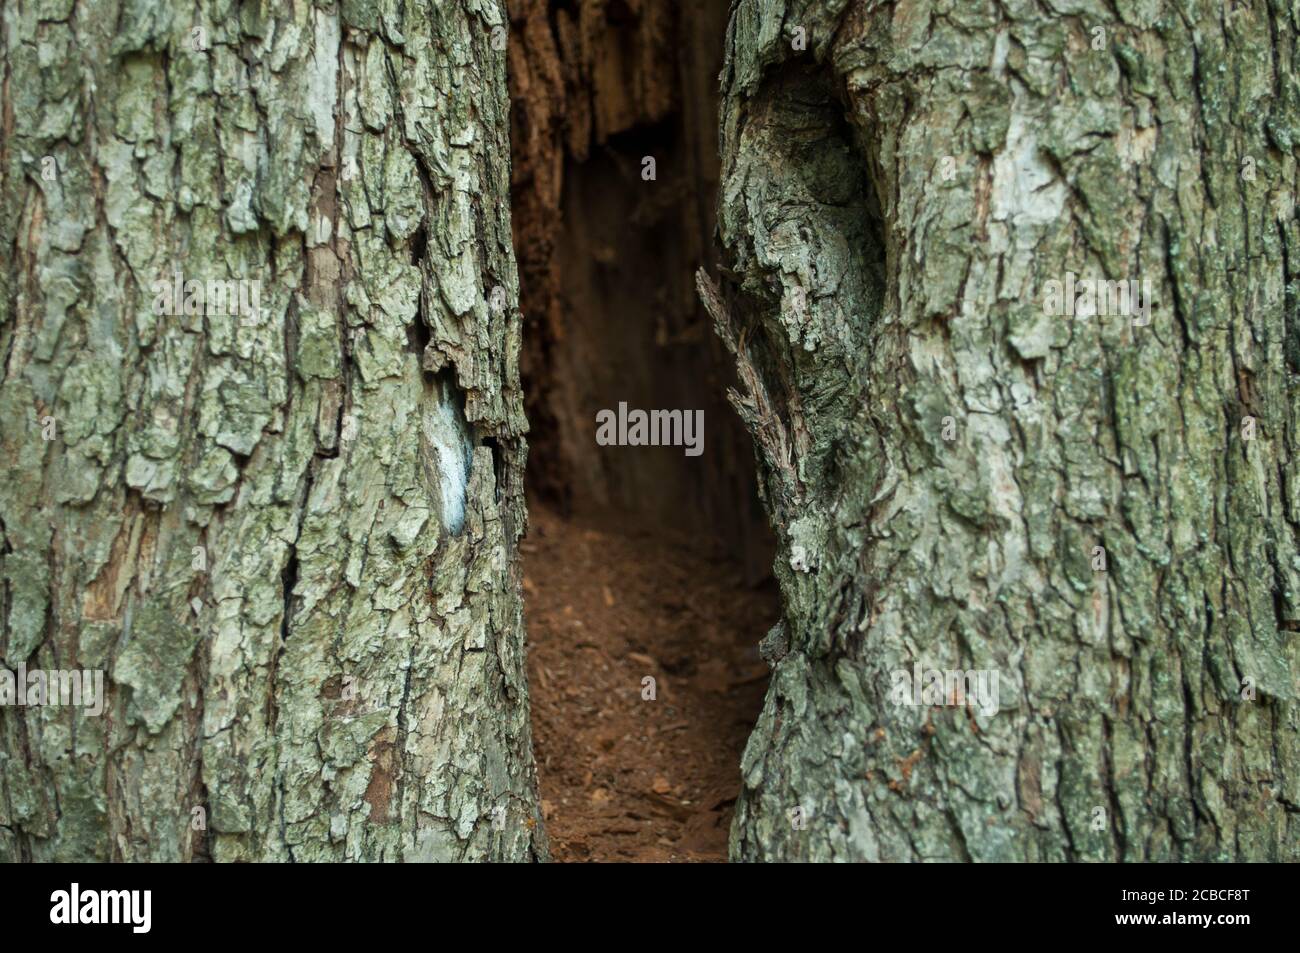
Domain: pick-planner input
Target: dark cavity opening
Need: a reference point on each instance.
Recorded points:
(641, 562)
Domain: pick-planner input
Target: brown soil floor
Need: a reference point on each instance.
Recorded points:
(622, 778)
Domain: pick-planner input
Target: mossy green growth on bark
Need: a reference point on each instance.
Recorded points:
(942, 459)
(282, 534)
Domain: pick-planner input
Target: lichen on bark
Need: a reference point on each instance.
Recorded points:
(900, 181)
(289, 541)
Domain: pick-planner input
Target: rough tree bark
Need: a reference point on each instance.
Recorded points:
(897, 191)
(289, 541)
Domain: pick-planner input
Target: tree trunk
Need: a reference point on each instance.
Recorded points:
(961, 481)
(288, 537)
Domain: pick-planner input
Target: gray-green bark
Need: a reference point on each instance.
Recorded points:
(338, 672)
(1147, 711)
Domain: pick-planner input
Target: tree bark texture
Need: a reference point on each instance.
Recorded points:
(895, 197)
(290, 542)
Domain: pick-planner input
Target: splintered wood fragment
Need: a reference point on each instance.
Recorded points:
(756, 408)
